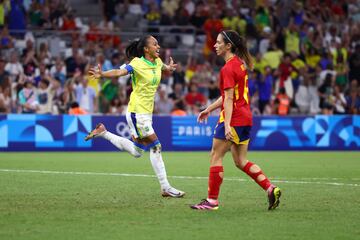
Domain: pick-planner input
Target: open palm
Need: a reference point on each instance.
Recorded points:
(95, 71)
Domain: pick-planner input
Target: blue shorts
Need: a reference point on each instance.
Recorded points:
(241, 133)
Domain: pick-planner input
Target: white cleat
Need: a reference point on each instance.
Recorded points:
(172, 192)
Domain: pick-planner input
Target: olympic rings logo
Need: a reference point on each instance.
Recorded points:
(123, 130)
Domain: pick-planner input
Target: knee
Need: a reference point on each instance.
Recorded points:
(156, 149)
(241, 163)
(215, 159)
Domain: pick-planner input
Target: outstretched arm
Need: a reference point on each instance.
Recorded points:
(98, 73)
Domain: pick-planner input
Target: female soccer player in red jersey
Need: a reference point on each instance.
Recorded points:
(233, 129)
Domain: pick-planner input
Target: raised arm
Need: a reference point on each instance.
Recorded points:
(171, 67)
(98, 73)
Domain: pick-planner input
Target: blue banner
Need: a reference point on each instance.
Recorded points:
(66, 132)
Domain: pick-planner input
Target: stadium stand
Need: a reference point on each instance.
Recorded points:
(307, 53)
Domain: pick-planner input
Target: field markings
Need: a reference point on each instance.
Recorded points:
(177, 177)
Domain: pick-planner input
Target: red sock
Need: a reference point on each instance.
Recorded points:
(265, 184)
(215, 181)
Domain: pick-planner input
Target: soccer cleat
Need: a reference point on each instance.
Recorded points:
(172, 192)
(205, 205)
(274, 198)
(99, 129)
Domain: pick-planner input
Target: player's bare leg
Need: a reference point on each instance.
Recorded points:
(239, 153)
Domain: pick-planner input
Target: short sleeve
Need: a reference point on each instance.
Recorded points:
(129, 68)
(159, 62)
(133, 65)
(228, 78)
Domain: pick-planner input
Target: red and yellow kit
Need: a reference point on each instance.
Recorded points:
(234, 75)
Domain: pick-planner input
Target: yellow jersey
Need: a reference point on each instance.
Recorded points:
(145, 77)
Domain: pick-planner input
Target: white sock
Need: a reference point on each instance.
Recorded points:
(159, 166)
(123, 144)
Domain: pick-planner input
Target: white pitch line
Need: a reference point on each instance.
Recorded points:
(178, 177)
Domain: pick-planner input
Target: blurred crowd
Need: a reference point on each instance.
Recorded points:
(306, 54)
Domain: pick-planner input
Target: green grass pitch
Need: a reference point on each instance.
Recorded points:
(89, 196)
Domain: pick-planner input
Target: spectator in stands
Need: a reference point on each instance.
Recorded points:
(16, 18)
(212, 27)
(5, 100)
(282, 103)
(116, 107)
(29, 58)
(179, 76)
(4, 9)
(353, 101)
(182, 16)
(264, 43)
(273, 56)
(177, 94)
(93, 34)
(285, 69)
(66, 98)
(265, 88)
(105, 63)
(75, 109)
(76, 61)
(199, 17)
(108, 92)
(194, 99)
(303, 97)
(6, 40)
(320, 37)
(14, 67)
(68, 23)
(153, 17)
(162, 104)
(45, 95)
(4, 75)
(85, 95)
(326, 93)
(44, 54)
(339, 101)
(179, 109)
(41, 73)
(254, 78)
(45, 20)
(58, 71)
(213, 89)
(354, 64)
(170, 7)
(28, 98)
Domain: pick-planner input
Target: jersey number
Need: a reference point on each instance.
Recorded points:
(246, 89)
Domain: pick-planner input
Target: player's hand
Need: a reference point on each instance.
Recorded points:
(95, 71)
(172, 65)
(228, 134)
(203, 116)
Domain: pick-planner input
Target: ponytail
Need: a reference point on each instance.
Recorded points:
(238, 46)
(131, 50)
(136, 47)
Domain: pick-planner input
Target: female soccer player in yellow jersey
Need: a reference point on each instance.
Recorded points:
(145, 69)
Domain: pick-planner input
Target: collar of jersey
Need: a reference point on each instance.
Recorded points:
(148, 62)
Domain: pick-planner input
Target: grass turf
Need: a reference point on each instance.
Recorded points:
(320, 198)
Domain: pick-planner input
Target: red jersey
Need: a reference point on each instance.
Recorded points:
(234, 75)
